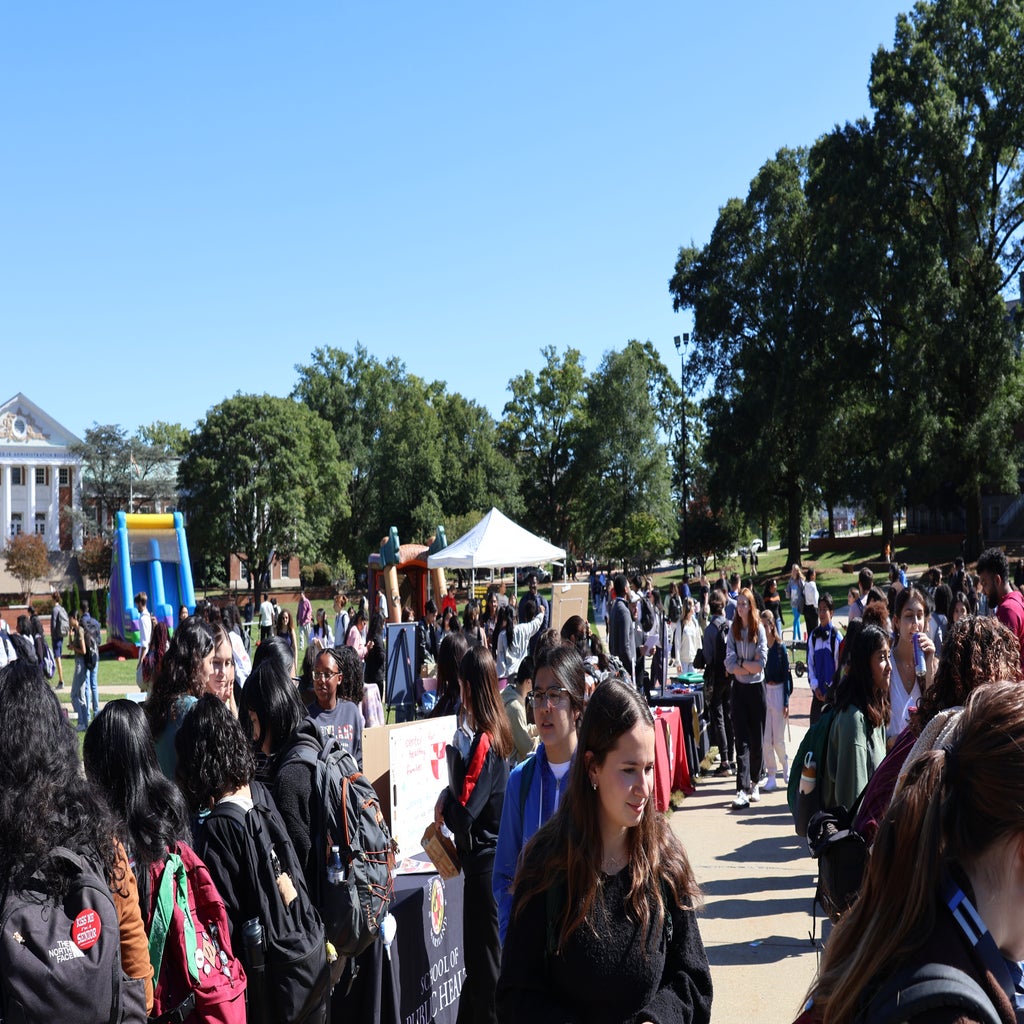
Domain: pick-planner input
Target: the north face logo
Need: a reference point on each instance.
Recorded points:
(65, 951)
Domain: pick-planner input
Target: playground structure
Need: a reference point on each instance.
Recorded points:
(150, 553)
(400, 570)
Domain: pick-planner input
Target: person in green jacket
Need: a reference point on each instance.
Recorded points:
(856, 744)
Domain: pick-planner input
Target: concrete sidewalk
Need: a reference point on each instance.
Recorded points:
(758, 883)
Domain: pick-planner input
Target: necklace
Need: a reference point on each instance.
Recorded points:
(616, 863)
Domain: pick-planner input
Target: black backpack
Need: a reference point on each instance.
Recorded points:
(60, 960)
(646, 615)
(92, 635)
(715, 676)
(347, 815)
(290, 969)
(928, 987)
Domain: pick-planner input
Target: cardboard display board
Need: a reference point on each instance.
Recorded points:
(569, 599)
(407, 767)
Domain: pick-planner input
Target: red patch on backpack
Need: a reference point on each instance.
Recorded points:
(85, 932)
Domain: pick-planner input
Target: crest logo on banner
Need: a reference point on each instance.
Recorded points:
(438, 759)
(437, 911)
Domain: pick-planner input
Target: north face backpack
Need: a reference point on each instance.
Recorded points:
(60, 959)
(287, 973)
(348, 816)
(196, 976)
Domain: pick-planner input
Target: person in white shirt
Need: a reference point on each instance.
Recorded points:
(145, 635)
(266, 619)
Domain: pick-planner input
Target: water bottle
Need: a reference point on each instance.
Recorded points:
(335, 869)
(919, 666)
(255, 995)
(252, 940)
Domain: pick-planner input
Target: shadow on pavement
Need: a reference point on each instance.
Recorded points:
(738, 909)
(770, 850)
(744, 884)
(771, 949)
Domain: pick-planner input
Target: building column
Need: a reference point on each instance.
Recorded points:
(53, 516)
(30, 515)
(5, 471)
(76, 503)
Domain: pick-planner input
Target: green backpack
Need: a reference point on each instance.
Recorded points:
(814, 743)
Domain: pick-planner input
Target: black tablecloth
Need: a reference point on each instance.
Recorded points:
(696, 735)
(422, 981)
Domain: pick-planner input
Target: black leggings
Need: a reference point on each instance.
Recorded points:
(748, 715)
(480, 949)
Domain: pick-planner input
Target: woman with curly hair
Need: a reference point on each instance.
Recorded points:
(182, 678)
(977, 650)
(46, 802)
(603, 927)
(215, 773)
(120, 761)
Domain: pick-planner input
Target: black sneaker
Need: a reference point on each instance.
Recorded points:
(722, 770)
(60, 685)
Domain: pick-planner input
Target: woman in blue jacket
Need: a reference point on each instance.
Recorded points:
(535, 787)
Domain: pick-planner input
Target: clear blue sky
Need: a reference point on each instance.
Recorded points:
(195, 196)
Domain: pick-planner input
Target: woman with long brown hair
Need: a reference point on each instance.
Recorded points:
(943, 885)
(746, 654)
(471, 808)
(603, 926)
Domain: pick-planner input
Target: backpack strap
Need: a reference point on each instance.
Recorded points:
(930, 986)
(172, 892)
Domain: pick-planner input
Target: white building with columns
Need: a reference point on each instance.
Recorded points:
(40, 477)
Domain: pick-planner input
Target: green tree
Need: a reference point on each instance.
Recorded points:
(950, 121)
(418, 455)
(261, 476)
(622, 460)
(27, 561)
(94, 560)
(754, 290)
(541, 429)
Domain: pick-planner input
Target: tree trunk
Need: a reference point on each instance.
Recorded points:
(794, 501)
(885, 514)
(764, 532)
(975, 535)
(831, 519)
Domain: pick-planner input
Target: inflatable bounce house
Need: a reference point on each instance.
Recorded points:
(150, 554)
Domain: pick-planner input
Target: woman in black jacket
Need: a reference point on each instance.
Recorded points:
(603, 928)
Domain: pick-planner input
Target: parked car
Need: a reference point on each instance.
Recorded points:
(523, 574)
(817, 534)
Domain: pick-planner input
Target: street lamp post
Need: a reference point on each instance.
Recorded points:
(681, 349)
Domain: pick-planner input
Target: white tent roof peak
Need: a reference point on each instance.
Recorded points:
(495, 542)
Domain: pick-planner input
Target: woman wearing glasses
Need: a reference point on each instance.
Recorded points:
(471, 808)
(603, 928)
(337, 669)
(535, 787)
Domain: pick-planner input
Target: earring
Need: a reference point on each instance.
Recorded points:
(593, 785)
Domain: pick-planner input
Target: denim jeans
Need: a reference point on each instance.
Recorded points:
(76, 694)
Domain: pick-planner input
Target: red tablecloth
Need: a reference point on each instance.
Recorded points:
(670, 768)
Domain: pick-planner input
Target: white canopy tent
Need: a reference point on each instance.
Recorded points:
(495, 542)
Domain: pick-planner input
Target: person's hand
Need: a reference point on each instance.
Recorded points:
(927, 647)
(785, 711)
(439, 810)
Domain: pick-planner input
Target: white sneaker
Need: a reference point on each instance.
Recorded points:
(755, 795)
(742, 800)
(769, 786)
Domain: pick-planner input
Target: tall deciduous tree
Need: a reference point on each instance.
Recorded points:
(622, 459)
(540, 431)
(261, 476)
(758, 327)
(949, 101)
(26, 560)
(417, 455)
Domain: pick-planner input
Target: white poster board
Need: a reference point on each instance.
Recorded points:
(419, 771)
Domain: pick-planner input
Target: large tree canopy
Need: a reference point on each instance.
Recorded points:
(417, 455)
(261, 475)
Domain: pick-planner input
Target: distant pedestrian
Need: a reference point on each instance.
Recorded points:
(59, 627)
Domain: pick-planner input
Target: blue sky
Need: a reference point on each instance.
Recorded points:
(195, 196)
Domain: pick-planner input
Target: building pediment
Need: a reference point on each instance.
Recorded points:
(26, 428)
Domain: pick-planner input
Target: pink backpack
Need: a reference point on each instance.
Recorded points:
(196, 977)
